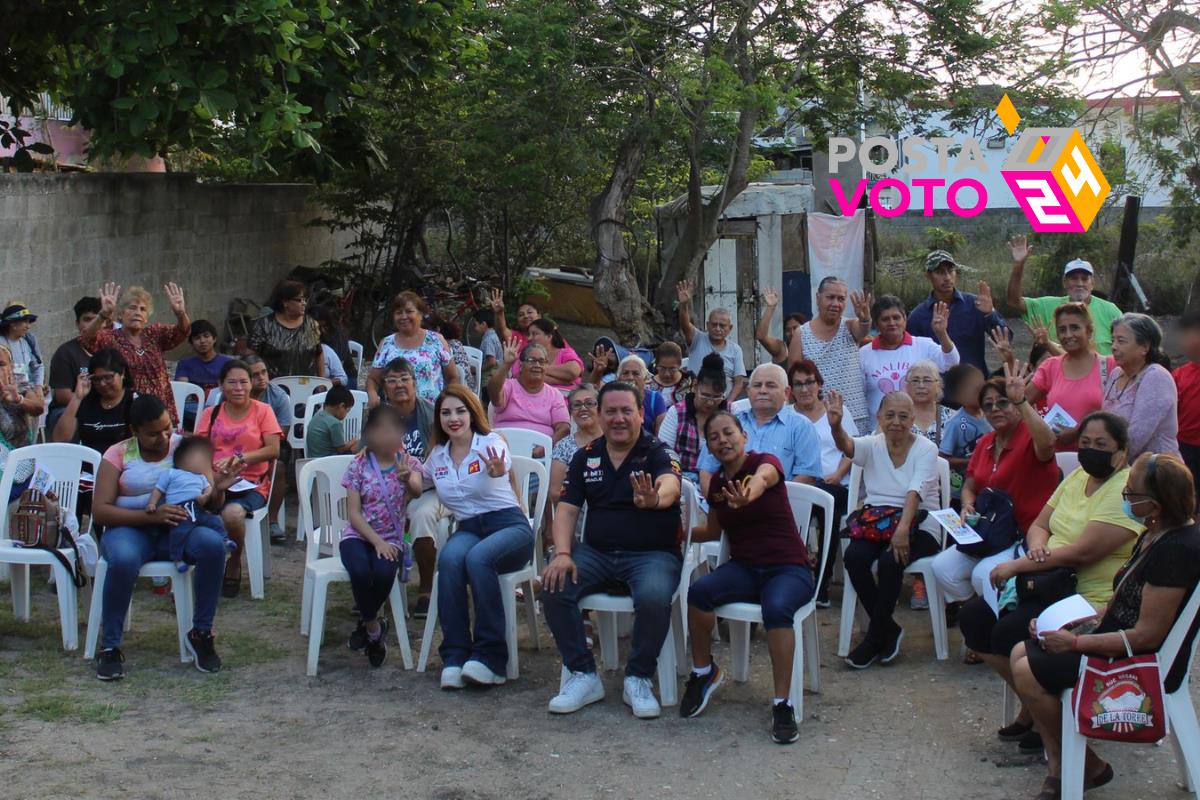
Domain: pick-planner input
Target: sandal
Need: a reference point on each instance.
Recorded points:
(1103, 777)
(1014, 732)
(1051, 789)
(231, 586)
(972, 658)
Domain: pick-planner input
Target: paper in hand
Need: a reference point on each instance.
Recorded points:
(1063, 614)
(1059, 420)
(959, 531)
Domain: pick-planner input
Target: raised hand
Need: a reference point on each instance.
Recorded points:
(83, 385)
(770, 297)
(862, 305)
(644, 493)
(737, 493)
(175, 298)
(600, 359)
(109, 293)
(941, 318)
(497, 301)
(834, 407)
(1001, 339)
(1016, 375)
(983, 301)
(1019, 248)
(1040, 334)
(494, 462)
(683, 291)
(511, 352)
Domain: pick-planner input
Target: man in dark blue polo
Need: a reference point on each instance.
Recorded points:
(971, 316)
(630, 483)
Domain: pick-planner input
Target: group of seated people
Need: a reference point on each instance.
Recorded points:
(1119, 529)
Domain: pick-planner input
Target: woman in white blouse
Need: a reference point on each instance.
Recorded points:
(470, 466)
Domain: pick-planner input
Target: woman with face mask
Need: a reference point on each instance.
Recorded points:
(1083, 528)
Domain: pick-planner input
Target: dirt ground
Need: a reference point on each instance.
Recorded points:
(261, 729)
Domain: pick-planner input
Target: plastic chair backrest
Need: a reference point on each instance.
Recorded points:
(184, 391)
(475, 361)
(522, 443)
(356, 351)
(65, 462)
(1067, 462)
(321, 478)
(523, 470)
(300, 388)
(1169, 650)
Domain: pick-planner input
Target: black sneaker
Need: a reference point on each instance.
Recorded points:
(377, 648)
(699, 690)
(1014, 732)
(1031, 743)
(109, 664)
(204, 655)
(783, 724)
(421, 609)
(358, 639)
(893, 647)
(863, 656)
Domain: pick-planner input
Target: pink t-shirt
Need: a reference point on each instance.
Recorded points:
(231, 437)
(1077, 397)
(535, 412)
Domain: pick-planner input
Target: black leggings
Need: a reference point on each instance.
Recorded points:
(985, 634)
(879, 598)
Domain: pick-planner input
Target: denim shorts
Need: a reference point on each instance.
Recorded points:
(251, 500)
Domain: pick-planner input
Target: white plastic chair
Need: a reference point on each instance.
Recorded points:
(522, 442)
(923, 566)
(523, 469)
(258, 542)
(475, 362)
(605, 608)
(356, 352)
(182, 589)
(65, 462)
(352, 424)
(1181, 714)
(322, 478)
(803, 499)
(1067, 462)
(184, 391)
(299, 389)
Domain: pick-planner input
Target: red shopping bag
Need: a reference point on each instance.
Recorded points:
(1120, 699)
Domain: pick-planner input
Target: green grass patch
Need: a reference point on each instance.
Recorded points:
(69, 708)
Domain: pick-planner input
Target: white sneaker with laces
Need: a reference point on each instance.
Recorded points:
(480, 674)
(639, 695)
(452, 678)
(580, 689)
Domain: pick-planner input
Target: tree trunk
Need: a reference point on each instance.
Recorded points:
(616, 286)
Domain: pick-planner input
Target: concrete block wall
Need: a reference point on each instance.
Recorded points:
(62, 236)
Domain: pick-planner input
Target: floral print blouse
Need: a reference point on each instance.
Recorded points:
(427, 360)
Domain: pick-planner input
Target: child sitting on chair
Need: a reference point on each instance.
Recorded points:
(188, 484)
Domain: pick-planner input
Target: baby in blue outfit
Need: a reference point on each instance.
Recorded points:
(188, 484)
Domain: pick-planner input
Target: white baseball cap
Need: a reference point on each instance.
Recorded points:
(1078, 264)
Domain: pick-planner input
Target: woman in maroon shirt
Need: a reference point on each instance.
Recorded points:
(1017, 458)
(768, 565)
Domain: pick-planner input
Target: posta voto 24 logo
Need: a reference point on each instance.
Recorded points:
(1051, 173)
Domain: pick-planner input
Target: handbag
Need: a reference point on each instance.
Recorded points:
(1046, 587)
(997, 524)
(874, 523)
(1120, 699)
(35, 524)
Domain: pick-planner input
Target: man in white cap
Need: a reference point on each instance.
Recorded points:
(1079, 279)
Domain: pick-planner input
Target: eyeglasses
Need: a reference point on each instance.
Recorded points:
(398, 381)
(712, 398)
(1126, 494)
(804, 384)
(538, 362)
(106, 378)
(922, 381)
(998, 405)
(579, 405)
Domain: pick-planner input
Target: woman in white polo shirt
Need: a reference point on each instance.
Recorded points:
(469, 466)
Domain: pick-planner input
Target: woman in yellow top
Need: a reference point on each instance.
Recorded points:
(1082, 527)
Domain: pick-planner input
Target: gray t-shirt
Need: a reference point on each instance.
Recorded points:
(731, 354)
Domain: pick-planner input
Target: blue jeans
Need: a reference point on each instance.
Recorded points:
(652, 578)
(126, 549)
(371, 577)
(781, 590)
(475, 555)
(202, 519)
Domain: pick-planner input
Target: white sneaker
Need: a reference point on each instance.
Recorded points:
(480, 674)
(452, 678)
(581, 689)
(639, 695)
